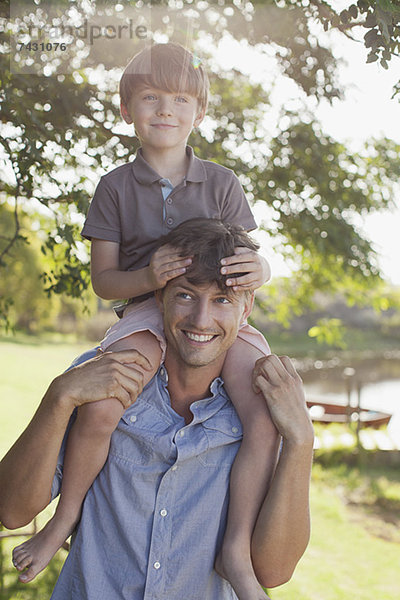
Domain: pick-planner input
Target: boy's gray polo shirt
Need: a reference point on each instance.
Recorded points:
(130, 208)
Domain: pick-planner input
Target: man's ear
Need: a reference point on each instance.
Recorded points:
(158, 295)
(125, 113)
(248, 305)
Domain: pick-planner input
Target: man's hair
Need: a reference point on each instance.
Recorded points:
(169, 67)
(207, 241)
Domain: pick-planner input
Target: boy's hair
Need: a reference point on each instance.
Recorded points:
(168, 67)
(207, 241)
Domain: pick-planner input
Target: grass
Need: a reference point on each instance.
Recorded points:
(354, 550)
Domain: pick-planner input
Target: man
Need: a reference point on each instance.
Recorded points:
(153, 521)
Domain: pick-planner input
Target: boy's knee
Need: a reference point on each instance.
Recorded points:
(101, 416)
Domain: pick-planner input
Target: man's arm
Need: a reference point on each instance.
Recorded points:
(282, 530)
(27, 470)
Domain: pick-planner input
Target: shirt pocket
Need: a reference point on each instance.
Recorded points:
(134, 439)
(224, 435)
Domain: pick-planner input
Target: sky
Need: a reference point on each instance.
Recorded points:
(367, 111)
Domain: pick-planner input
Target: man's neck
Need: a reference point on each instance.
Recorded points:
(189, 384)
(170, 163)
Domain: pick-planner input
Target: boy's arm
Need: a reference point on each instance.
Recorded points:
(282, 530)
(27, 470)
(110, 283)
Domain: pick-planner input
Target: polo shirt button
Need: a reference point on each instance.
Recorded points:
(133, 418)
(163, 512)
(169, 221)
(235, 429)
(157, 565)
(169, 200)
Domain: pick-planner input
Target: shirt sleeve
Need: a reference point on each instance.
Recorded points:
(103, 218)
(236, 209)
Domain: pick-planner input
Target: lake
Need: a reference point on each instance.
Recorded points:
(378, 379)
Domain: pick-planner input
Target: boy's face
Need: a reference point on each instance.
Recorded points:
(162, 120)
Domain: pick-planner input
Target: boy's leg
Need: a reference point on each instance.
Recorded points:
(86, 452)
(251, 472)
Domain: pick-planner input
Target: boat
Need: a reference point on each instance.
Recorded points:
(327, 412)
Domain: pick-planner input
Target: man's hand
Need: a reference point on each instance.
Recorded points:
(165, 264)
(247, 261)
(277, 379)
(109, 375)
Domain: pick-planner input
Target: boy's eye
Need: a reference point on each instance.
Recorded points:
(180, 99)
(149, 97)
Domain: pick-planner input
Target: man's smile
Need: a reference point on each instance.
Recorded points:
(198, 337)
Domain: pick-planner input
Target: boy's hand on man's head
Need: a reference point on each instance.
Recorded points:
(256, 268)
(165, 264)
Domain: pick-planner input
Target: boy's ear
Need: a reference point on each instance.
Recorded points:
(199, 118)
(125, 113)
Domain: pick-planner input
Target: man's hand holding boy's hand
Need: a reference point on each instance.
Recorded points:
(256, 268)
(116, 375)
(165, 264)
(277, 379)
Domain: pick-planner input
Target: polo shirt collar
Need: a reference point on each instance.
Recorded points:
(146, 175)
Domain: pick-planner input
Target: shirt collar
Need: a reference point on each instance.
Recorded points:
(202, 409)
(146, 175)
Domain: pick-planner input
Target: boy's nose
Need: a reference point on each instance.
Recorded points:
(164, 108)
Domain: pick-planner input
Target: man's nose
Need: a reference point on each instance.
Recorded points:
(202, 317)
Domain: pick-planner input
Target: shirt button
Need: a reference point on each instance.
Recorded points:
(181, 433)
(169, 200)
(174, 468)
(235, 429)
(163, 512)
(169, 221)
(162, 371)
(157, 565)
(133, 418)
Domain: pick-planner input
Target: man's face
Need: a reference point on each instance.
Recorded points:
(201, 322)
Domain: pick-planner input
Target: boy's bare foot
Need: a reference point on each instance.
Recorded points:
(240, 575)
(35, 554)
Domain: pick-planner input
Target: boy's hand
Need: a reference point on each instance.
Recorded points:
(166, 263)
(247, 261)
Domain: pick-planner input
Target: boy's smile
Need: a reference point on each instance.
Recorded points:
(163, 120)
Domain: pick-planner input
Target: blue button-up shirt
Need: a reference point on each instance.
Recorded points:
(153, 520)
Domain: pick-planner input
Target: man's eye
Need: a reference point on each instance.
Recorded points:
(223, 300)
(184, 295)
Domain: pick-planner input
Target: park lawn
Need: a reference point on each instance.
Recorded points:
(27, 367)
(344, 559)
(350, 555)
